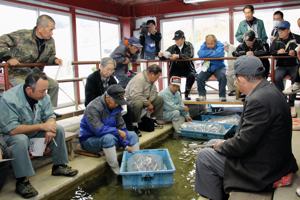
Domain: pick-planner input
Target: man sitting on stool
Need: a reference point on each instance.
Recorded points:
(103, 128)
(29, 114)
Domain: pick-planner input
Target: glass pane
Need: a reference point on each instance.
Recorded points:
(110, 37)
(169, 28)
(64, 50)
(25, 19)
(213, 24)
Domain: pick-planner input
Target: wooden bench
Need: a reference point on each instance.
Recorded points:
(70, 138)
(250, 196)
(191, 102)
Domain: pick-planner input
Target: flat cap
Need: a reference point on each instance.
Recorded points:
(248, 66)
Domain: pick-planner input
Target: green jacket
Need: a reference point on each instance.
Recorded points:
(258, 27)
(23, 46)
(18, 111)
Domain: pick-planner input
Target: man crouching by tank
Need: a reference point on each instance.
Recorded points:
(29, 114)
(103, 128)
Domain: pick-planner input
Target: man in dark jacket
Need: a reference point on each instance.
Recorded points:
(260, 153)
(285, 45)
(181, 50)
(150, 39)
(98, 81)
(253, 47)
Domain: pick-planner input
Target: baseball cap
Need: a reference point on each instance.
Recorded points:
(178, 35)
(284, 25)
(135, 42)
(248, 66)
(175, 80)
(117, 92)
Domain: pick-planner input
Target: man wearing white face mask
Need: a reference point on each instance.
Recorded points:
(277, 18)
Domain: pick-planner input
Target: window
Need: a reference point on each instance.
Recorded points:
(110, 37)
(64, 50)
(25, 19)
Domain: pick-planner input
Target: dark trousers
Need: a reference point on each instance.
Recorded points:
(280, 73)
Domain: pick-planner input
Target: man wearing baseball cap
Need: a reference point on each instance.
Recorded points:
(125, 54)
(174, 110)
(260, 153)
(102, 127)
(179, 51)
(285, 45)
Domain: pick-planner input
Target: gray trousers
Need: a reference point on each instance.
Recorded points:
(19, 145)
(175, 117)
(136, 108)
(16, 79)
(209, 174)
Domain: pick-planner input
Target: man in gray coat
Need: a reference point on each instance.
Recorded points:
(260, 153)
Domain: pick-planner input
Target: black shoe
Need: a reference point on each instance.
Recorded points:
(231, 93)
(63, 170)
(25, 189)
(137, 131)
(187, 98)
(57, 115)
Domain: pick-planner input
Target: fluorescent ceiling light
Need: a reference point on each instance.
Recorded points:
(196, 1)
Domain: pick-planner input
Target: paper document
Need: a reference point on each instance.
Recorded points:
(37, 146)
(166, 54)
(5, 160)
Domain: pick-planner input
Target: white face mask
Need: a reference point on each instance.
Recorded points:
(276, 23)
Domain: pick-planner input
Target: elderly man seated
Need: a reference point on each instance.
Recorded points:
(98, 82)
(174, 110)
(141, 93)
(212, 48)
(27, 113)
(260, 153)
(102, 127)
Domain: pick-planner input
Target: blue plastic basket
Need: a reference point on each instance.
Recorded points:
(191, 133)
(208, 117)
(148, 179)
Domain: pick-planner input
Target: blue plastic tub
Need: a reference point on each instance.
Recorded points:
(148, 179)
(208, 117)
(191, 133)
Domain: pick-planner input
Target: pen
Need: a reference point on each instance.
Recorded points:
(54, 142)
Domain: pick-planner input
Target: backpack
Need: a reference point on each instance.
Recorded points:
(147, 124)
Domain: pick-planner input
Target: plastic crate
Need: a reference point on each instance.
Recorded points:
(208, 117)
(191, 133)
(148, 179)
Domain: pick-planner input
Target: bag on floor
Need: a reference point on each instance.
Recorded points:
(147, 124)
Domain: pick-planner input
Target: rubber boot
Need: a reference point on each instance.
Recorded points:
(112, 159)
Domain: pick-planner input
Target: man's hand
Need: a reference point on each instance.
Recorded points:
(160, 54)
(186, 109)
(218, 144)
(250, 53)
(122, 134)
(188, 119)
(49, 126)
(58, 61)
(13, 62)
(150, 108)
(281, 51)
(129, 149)
(126, 61)
(292, 53)
(49, 136)
(174, 57)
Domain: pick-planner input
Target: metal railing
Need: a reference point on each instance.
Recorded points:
(143, 64)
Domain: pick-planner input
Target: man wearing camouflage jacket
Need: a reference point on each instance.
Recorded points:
(31, 46)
